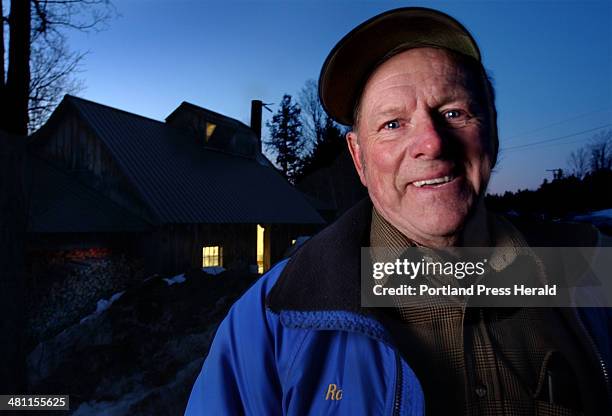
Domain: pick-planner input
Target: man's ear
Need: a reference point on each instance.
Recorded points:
(353, 144)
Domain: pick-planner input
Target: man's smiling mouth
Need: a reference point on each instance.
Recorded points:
(434, 181)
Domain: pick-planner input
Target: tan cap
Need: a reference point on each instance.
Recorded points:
(350, 63)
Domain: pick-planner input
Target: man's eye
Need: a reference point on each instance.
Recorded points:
(393, 124)
(453, 114)
(455, 118)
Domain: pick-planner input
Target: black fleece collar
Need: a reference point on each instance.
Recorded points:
(324, 273)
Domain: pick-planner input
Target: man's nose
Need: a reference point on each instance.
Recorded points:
(426, 141)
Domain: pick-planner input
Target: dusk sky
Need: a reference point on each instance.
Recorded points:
(551, 62)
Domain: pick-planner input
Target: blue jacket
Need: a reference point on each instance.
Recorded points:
(299, 343)
(293, 362)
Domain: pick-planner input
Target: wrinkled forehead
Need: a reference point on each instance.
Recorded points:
(445, 64)
(422, 63)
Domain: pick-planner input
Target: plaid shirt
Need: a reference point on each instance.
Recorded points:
(487, 361)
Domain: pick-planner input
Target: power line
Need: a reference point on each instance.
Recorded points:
(545, 145)
(514, 136)
(524, 146)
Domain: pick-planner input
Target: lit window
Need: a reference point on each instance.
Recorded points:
(210, 129)
(260, 249)
(212, 256)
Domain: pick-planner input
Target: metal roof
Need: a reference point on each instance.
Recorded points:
(184, 182)
(59, 202)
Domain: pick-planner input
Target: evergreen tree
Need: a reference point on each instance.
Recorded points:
(286, 140)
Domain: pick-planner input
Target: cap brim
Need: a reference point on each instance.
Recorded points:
(352, 60)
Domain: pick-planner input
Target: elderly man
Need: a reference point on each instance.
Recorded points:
(424, 141)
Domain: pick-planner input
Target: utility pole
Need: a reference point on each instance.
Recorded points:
(557, 173)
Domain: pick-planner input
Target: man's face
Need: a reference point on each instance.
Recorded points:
(422, 143)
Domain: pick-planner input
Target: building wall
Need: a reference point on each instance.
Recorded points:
(282, 236)
(177, 248)
(190, 123)
(337, 185)
(68, 273)
(71, 145)
(214, 130)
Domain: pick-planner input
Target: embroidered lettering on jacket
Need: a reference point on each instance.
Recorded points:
(333, 392)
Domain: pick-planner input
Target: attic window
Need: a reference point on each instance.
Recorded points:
(210, 129)
(212, 256)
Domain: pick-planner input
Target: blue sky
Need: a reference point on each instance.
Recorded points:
(551, 62)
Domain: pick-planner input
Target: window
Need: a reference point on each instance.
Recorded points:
(210, 129)
(212, 256)
(260, 249)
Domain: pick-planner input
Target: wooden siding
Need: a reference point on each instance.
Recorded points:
(281, 236)
(177, 248)
(337, 185)
(230, 137)
(75, 148)
(191, 123)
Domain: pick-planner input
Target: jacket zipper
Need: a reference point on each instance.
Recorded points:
(602, 363)
(398, 385)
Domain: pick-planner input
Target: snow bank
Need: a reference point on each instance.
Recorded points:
(103, 305)
(176, 279)
(604, 213)
(213, 270)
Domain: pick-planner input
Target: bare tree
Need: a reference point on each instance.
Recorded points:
(40, 67)
(313, 116)
(53, 70)
(34, 74)
(324, 138)
(601, 151)
(578, 161)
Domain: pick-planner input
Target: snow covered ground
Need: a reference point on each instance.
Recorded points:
(601, 218)
(213, 270)
(103, 305)
(140, 355)
(176, 279)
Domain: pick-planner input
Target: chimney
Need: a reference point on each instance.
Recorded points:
(256, 106)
